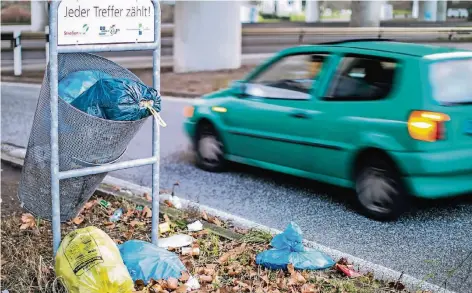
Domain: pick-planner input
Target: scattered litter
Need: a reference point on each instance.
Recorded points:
(89, 261)
(288, 249)
(116, 215)
(348, 269)
(195, 226)
(5, 291)
(164, 227)
(145, 261)
(176, 202)
(105, 204)
(175, 241)
(194, 251)
(139, 208)
(192, 284)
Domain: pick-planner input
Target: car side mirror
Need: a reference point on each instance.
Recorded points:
(238, 87)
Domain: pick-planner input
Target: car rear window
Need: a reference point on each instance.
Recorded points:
(451, 81)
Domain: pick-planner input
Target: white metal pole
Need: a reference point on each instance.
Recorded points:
(17, 53)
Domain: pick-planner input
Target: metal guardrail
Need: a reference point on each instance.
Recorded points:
(301, 32)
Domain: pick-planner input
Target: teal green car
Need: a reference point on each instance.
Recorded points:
(388, 119)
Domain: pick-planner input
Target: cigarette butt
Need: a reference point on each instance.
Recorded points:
(191, 251)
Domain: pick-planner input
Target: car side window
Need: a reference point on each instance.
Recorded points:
(361, 78)
(292, 77)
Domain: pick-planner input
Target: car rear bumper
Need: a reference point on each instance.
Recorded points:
(437, 174)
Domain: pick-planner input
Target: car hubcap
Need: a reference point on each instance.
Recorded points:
(375, 190)
(210, 149)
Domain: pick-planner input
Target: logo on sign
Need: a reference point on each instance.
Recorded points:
(81, 32)
(140, 29)
(111, 31)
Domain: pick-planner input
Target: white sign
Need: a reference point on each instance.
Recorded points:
(105, 22)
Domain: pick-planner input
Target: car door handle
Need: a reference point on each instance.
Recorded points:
(299, 115)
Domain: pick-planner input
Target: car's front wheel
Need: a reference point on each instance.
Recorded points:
(380, 190)
(209, 149)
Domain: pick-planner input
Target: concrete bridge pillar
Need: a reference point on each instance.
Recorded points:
(207, 35)
(312, 11)
(442, 10)
(428, 10)
(39, 15)
(365, 13)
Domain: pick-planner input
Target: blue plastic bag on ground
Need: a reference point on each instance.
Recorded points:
(146, 261)
(75, 83)
(288, 248)
(118, 99)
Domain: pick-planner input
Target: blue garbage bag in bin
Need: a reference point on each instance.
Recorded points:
(146, 261)
(288, 249)
(77, 82)
(118, 99)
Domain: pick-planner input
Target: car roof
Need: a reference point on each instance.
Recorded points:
(410, 49)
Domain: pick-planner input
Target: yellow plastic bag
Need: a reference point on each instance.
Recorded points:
(88, 261)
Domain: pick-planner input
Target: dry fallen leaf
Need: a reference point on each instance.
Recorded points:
(205, 278)
(216, 221)
(147, 196)
(181, 289)
(147, 213)
(129, 213)
(90, 204)
(78, 220)
(308, 288)
(185, 276)
(109, 225)
(232, 253)
(168, 203)
(172, 283)
(166, 218)
(27, 221)
(204, 216)
(135, 223)
(295, 277)
(128, 235)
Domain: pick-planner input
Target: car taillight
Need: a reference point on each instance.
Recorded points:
(427, 126)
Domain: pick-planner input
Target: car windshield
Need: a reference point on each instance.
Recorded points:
(450, 81)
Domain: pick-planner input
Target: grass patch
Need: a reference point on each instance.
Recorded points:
(257, 237)
(222, 265)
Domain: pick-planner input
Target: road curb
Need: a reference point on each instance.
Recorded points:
(12, 155)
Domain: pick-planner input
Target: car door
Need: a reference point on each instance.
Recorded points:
(354, 101)
(272, 122)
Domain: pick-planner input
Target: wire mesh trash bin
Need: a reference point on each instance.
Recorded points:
(84, 141)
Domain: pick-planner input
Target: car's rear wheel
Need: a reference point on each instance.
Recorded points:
(380, 191)
(209, 149)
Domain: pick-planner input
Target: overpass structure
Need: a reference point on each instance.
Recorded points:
(207, 34)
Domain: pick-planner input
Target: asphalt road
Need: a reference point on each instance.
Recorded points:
(428, 242)
(33, 50)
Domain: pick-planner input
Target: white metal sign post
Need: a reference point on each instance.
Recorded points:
(101, 26)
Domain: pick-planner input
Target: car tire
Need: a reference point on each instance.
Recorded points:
(380, 190)
(209, 149)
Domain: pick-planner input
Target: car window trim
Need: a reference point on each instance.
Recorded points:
(328, 98)
(274, 62)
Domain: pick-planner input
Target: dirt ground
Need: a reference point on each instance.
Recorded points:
(10, 178)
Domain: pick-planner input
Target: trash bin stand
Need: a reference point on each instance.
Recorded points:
(57, 175)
